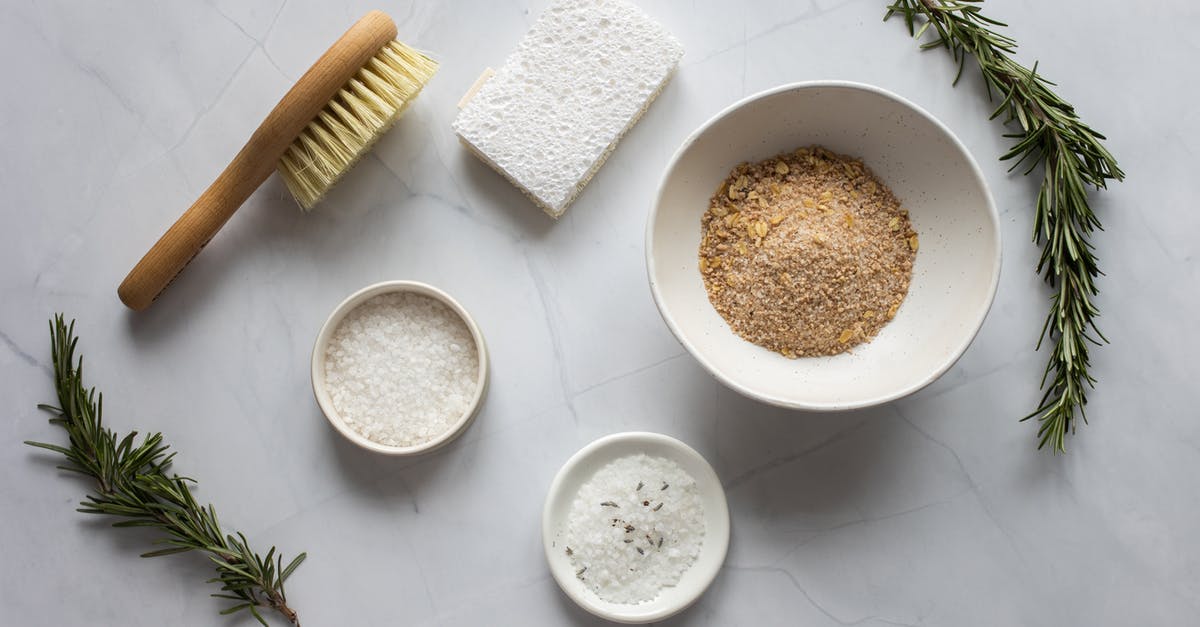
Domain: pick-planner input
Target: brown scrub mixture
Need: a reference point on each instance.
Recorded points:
(806, 253)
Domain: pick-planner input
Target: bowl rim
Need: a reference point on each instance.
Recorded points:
(317, 366)
(721, 549)
(992, 214)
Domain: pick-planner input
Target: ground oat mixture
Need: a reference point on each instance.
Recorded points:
(806, 253)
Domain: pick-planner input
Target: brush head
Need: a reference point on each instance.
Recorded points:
(363, 110)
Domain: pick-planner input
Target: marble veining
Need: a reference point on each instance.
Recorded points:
(933, 510)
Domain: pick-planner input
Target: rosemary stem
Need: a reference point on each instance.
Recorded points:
(133, 484)
(1072, 157)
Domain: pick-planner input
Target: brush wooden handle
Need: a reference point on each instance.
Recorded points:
(256, 160)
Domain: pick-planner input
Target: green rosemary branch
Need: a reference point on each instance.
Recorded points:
(132, 483)
(1050, 134)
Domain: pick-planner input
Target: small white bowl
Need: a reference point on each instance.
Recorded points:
(955, 274)
(580, 468)
(331, 324)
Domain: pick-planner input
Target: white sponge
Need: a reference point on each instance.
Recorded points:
(581, 77)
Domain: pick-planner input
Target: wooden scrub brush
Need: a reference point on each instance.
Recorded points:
(321, 127)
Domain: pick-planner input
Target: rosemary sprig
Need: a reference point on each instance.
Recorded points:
(132, 483)
(1072, 157)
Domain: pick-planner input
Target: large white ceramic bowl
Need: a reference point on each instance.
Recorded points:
(954, 277)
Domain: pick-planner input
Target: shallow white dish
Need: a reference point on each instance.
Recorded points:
(580, 468)
(331, 324)
(955, 274)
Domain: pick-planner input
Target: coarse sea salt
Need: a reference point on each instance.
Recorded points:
(401, 368)
(634, 528)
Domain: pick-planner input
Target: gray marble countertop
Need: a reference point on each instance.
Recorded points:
(933, 510)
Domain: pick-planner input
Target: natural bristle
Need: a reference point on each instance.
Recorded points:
(357, 116)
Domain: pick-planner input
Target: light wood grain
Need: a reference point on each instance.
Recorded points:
(255, 161)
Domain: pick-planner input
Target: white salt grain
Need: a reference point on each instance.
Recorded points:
(401, 369)
(634, 528)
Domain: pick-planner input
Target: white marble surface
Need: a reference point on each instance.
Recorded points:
(934, 510)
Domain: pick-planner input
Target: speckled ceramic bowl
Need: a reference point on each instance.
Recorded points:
(954, 278)
(331, 325)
